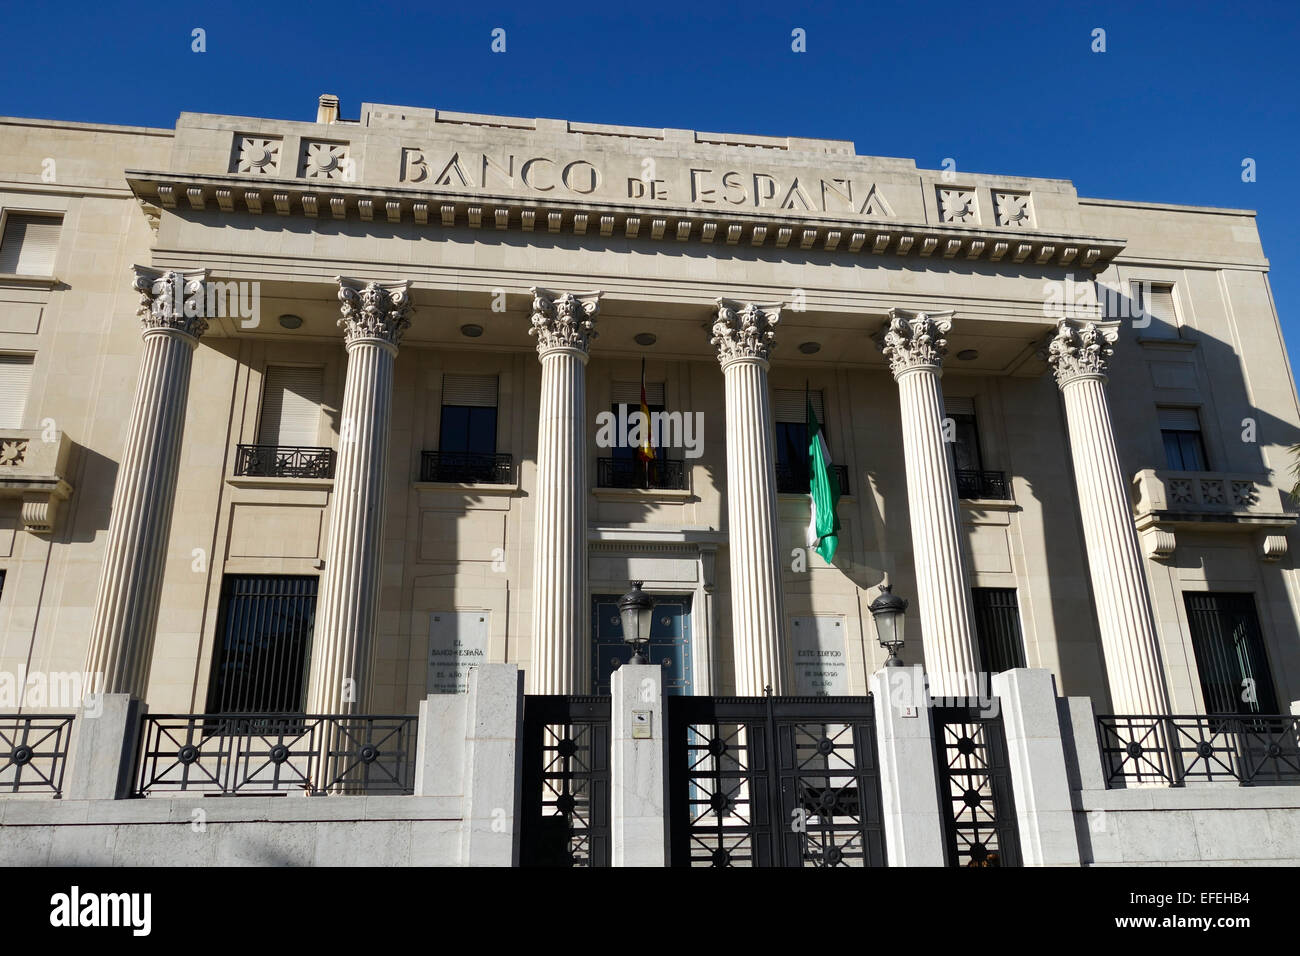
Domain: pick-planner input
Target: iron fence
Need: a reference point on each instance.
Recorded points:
(465, 467)
(1251, 749)
(284, 461)
(34, 752)
(277, 753)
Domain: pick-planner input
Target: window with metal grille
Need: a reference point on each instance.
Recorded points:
(997, 629)
(29, 242)
(15, 382)
(1180, 430)
(291, 403)
(263, 644)
(965, 434)
(624, 467)
(1230, 655)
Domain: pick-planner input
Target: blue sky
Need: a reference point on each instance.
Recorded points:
(1183, 93)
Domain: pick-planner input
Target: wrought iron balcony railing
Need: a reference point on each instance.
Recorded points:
(792, 480)
(277, 753)
(1252, 749)
(658, 473)
(983, 484)
(465, 468)
(34, 752)
(284, 461)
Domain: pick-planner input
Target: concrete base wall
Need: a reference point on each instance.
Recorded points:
(232, 831)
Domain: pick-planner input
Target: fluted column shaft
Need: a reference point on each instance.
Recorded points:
(744, 336)
(130, 583)
(564, 325)
(347, 610)
(915, 346)
(757, 597)
(1120, 591)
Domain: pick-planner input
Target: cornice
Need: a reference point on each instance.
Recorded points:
(578, 217)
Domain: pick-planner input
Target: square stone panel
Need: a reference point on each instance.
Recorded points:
(321, 159)
(1013, 209)
(255, 155)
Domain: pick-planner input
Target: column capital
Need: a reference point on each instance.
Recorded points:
(564, 320)
(374, 310)
(914, 340)
(1079, 349)
(172, 300)
(744, 330)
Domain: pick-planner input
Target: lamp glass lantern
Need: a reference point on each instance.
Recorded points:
(637, 611)
(888, 613)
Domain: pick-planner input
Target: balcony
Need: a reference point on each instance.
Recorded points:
(1166, 502)
(794, 481)
(660, 474)
(283, 461)
(465, 468)
(986, 485)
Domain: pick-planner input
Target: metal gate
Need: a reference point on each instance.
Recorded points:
(979, 811)
(565, 796)
(773, 781)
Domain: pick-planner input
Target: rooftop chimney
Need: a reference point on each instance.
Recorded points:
(327, 110)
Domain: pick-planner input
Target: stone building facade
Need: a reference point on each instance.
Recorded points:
(328, 395)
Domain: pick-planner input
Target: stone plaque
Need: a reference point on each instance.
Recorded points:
(821, 667)
(457, 641)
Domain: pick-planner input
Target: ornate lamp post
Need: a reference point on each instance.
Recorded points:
(888, 613)
(637, 611)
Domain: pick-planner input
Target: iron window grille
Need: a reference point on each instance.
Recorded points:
(466, 467)
(983, 484)
(793, 479)
(284, 461)
(658, 473)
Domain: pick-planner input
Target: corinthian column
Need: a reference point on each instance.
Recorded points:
(1077, 354)
(130, 583)
(915, 345)
(374, 318)
(564, 324)
(744, 337)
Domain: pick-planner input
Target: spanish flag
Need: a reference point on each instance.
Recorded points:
(646, 452)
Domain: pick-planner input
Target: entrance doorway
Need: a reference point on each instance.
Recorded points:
(670, 641)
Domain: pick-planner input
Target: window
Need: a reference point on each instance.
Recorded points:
(467, 434)
(1180, 429)
(790, 410)
(291, 401)
(28, 243)
(1229, 648)
(1156, 301)
(263, 636)
(624, 467)
(968, 461)
(997, 629)
(15, 382)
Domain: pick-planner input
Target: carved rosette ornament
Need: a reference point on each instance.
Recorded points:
(744, 331)
(915, 340)
(172, 301)
(1080, 349)
(564, 320)
(374, 310)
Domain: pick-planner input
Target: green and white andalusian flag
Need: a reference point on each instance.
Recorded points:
(824, 490)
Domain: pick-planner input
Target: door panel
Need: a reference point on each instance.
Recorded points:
(670, 641)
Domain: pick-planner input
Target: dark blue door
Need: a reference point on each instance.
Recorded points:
(670, 641)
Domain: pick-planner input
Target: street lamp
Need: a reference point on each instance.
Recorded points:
(887, 612)
(637, 611)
